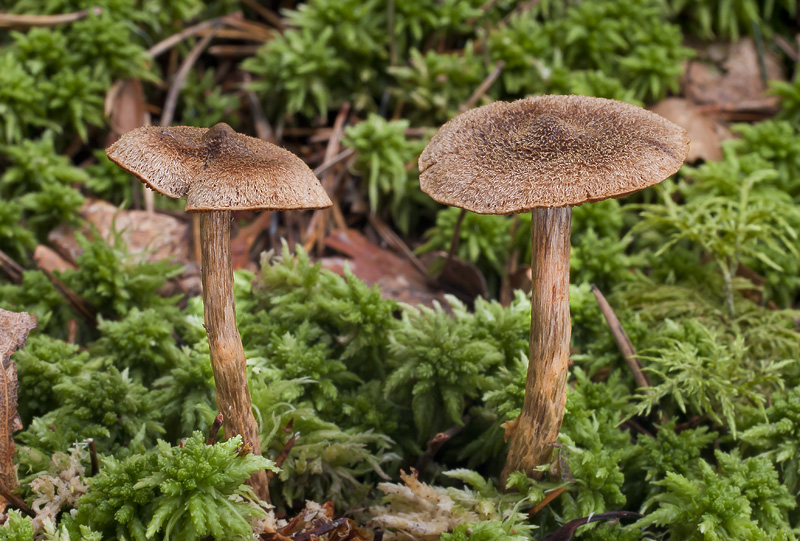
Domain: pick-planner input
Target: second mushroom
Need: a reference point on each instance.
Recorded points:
(546, 154)
(218, 171)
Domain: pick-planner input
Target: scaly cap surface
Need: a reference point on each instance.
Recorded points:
(548, 151)
(218, 169)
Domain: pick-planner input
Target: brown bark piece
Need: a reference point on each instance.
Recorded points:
(48, 259)
(14, 329)
(546, 386)
(227, 354)
(158, 235)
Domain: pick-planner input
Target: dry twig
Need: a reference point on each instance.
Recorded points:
(10, 20)
(16, 501)
(166, 44)
(483, 87)
(391, 238)
(214, 429)
(95, 467)
(171, 102)
(73, 299)
(263, 127)
(621, 337)
(549, 497)
(266, 14)
(11, 268)
(436, 443)
(318, 224)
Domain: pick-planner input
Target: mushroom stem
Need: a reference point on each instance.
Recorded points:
(225, 343)
(546, 385)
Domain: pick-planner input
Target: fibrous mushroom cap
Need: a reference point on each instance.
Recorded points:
(548, 151)
(218, 169)
(163, 158)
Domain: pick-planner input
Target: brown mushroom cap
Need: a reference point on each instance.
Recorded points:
(163, 158)
(548, 151)
(218, 169)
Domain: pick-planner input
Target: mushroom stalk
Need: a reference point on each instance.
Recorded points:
(225, 343)
(545, 388)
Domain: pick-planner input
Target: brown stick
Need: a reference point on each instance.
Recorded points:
(11, 268)
(168, 113)
(266, 14)
(227, 51)
(93, 457)
(263, 127)
(225, 344)
(171, 102)
(319, 530)
(438, 441)
(165, 45)
(283, 455)
(484, 87)
(318, 224)
(451, 253)
(549, 497)
(214, 430)
(636, 427)
(9, 20)
(397, 244)
(74, 301)
(343, 155)
(16, 501)
(510, 266)
(623, 342)
(546, 385)
(253, 30)
(787, 48)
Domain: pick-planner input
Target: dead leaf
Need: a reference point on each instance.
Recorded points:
(14, 329)
(522, 278)
(704, 129)
(125, 106)
(242, 243)
(728, 77)
(397, 278)
(565, 532)
(457, 276)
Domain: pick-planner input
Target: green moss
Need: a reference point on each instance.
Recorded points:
(188, 492)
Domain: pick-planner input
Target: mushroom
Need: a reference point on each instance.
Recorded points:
(545, 154)
(219, 170)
